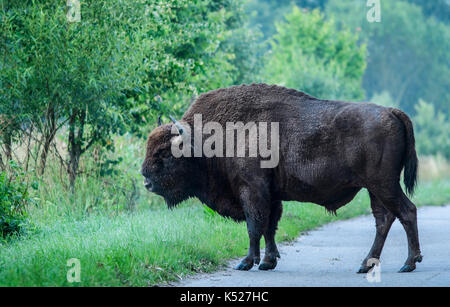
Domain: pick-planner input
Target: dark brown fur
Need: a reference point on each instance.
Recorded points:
(329, 150)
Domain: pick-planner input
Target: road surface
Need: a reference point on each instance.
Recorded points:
(331, 255)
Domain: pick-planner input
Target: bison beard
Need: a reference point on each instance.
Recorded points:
(329, 151)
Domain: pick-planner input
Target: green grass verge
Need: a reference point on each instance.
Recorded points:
(155, 246)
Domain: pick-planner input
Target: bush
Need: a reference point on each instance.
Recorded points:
(432, 130)
(310, 54)
(14, 198)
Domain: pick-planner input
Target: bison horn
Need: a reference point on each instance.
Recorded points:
(159, 120)
(179, 126)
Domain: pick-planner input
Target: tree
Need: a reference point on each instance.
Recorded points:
(15, 111)
(72, 73)
(407, 52)
(242, 43)
(309, 54)
(265, 13)
(432, 129)
(384, 99)
(117, 69)
(437, 8)
(193, 47)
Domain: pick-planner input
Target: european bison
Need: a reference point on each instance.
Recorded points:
(328, 151)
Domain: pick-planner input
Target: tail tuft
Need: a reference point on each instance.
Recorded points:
(410, 175)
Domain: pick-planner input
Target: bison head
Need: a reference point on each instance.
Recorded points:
(164, 174)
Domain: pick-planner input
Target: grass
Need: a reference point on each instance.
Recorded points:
(154, 246)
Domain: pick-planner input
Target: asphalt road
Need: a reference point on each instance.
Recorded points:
(331, 255)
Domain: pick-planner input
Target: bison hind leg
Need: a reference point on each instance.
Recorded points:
(383, 222)
(398, 204)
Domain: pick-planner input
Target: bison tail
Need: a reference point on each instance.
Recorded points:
(410, 160)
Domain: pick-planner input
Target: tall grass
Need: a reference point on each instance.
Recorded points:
(107, 194)
(433, 168)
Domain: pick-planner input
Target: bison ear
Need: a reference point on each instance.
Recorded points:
(178, 125)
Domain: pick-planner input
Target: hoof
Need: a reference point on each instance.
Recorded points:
(244, 266)
(407, 268)
(268, 264)
(265, 266)
(411, 267)
(364, 269)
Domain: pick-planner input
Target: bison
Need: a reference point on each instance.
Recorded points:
(328, 151)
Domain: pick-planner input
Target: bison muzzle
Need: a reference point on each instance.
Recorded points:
(328, 151)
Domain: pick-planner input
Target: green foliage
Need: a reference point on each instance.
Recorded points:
(242, 44)
(432, 129)
(440, 9)
(209, 213)
(407, 52)
(265, 13)
(193, 47)
(384, 99)
(109, 183)
(74, 73)
(117, 69)
(183, 45)
(309, 54)
(14, 198)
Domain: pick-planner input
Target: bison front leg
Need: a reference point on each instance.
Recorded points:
(253, 256)
(257, 216)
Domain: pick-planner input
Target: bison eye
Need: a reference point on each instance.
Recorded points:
(157, 164)
(162, 153)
